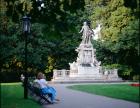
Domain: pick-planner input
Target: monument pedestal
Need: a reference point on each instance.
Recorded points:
(86, 72)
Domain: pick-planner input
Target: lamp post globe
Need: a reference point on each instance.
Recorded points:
(26, 24)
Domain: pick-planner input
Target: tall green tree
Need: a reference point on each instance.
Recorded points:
(53, 34)
(120, 37)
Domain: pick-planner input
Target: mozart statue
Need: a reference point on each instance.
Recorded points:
(87, 33)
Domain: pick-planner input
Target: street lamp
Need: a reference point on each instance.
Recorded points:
(26, 31)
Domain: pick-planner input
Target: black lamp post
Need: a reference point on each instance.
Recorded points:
(26, 31)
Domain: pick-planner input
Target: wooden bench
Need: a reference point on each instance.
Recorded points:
(35, 90)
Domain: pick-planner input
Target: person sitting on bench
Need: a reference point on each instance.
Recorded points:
(45, 88)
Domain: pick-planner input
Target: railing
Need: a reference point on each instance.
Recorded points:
(110, 72)
(61, 73)
(64, 74)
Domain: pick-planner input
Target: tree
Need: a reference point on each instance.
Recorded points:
(120, 37)
(53, 34)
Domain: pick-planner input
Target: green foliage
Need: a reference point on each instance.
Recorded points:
(124, 71)
(136, 77)
(50, 65)
(130, 36)
(53, 34)
(112, 66)
(120, 39)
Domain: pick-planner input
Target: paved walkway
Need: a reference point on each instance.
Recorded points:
(76, 99)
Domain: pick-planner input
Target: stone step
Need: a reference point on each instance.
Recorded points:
(86, 81)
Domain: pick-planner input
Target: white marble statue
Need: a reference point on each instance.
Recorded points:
(97, 32)
(87, 33)
(73, 66)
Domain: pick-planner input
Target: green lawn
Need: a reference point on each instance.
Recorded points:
(12, 97)
(119, 91)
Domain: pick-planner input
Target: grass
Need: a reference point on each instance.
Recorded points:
(12, 97)
(119, 91)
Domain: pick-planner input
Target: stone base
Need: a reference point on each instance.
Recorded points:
(85, 72)
(84, 75)
(87, 79)
(84, 80)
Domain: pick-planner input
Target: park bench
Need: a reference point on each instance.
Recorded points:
(36, 92)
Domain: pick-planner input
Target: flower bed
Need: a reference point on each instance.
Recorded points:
(135, 84)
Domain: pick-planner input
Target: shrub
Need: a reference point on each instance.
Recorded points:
(136, 77)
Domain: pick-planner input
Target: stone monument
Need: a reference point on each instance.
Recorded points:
(86, 67)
